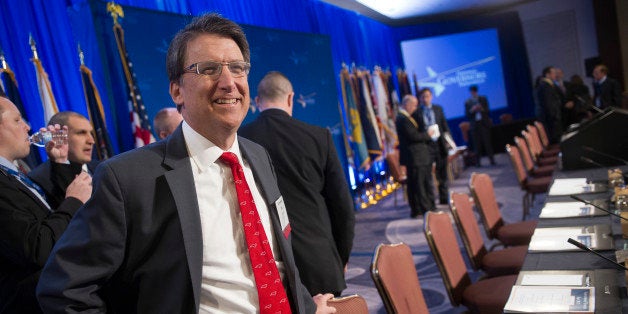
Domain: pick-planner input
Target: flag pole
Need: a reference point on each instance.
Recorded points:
(139, 119)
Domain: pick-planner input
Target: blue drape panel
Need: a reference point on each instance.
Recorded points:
(58, 26)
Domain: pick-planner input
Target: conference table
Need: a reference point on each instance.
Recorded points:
(610, 292)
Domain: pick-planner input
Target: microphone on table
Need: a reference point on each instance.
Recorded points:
(585, 248)
(591, 149)
(596, 206)
(590, 105)
(592, 162)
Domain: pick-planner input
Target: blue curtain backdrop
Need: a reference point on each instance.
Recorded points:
(59, 26)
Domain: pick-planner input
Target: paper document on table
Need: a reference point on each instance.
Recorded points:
(550, 299)
(434, 128)
(559, 242)
(562, 231)
(570, 186)
(566, 209)
(552, 280)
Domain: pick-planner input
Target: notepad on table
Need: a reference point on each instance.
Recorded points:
(569, 209)
(555, 238)
(574, 186)
(551, 299)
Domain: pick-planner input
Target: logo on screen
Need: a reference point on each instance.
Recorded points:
(463, 75)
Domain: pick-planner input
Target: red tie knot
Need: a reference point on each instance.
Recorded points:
(229, 158)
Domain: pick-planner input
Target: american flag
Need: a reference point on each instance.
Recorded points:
(139, 119)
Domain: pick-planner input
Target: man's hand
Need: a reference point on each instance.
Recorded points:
(56, 153)
(321, 303)
(80, 188)
(569, 105)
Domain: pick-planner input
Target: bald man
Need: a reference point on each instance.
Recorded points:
(30, 225)
(166, 121)
(312, 182)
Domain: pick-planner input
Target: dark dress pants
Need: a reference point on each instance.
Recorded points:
(420, 189)
(440, 173)
(482, 139)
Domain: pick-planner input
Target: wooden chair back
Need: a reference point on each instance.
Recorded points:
(483, 192)
(468, 228)
(394, 274)
(517, 165)
(352, 304)
(442, 240)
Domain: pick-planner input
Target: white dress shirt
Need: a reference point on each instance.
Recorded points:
(228, 284)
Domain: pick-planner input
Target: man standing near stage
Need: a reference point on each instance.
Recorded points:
(433, 118)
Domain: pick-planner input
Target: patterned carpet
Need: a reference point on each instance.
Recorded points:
(387, 223)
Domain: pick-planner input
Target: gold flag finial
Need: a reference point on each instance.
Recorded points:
(81, 56)
(115, 10)
(31, 42)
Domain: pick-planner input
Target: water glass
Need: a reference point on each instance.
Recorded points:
(60, 137)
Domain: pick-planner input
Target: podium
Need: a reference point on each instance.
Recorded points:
(606, 133)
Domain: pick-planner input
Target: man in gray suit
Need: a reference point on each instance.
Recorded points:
(164, 230)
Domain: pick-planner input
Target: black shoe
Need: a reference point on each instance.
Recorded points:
(444, 202)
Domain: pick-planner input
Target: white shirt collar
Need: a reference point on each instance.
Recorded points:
(202, 151)
(5, 162)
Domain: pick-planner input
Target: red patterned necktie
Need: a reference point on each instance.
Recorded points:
(272, 296)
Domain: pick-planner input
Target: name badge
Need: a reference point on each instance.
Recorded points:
(283, 217)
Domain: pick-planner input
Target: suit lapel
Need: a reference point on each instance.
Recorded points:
(261, 170)
(181, 183)
(20, 186)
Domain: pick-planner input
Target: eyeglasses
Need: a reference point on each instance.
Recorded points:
(213, 69)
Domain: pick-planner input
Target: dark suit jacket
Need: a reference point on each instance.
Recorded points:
(610, 93)
(54, 178)
(136, 246)
(414, 147)
(314, 187)
(439, 116)
(28, 231)
(485, 120)
(549, 109)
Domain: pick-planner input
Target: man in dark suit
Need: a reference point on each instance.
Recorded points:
(433, 117)
(312, 182)
(607, 91)
(549, 105)
(55, 176)
(476, 109)
(185, 224)
(414, 153)
(30, 226)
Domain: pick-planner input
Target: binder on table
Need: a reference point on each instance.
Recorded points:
(575, 186)
(565, 291)
(572, 209)
(596, 237)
